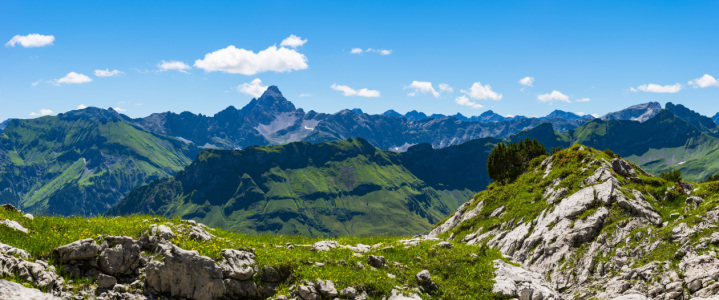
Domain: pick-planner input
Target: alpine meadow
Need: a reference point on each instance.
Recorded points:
(289, 150)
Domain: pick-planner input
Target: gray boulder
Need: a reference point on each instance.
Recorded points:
(120, 255)
(105, 281)
(185, 274)
(14, 291)
(162, 232)
(376, 261)
(326, 288)
(237, 264)
(14, 225)
(624, 168)
(39, 273)
(511, 281)
(86, 249)
(10, 250)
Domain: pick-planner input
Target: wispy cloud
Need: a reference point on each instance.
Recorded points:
(583, 100)
(108, 73)
(464, 101)
(173, 65)
(425, 87)
(527, 81)
(656, 88)
(72, 78)
(43, 112)
(82, 106)
(371, 50)
(253, 88)
(553, 96)
(348, 91)
(31, 40)
(293, 41)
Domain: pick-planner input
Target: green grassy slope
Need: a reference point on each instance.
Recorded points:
(81, 162)
(463, 272)
(336, 188)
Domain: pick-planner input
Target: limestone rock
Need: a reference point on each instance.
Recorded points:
(39, 273)
(10, 250)
(376, 261)
(162, 231)
(624, 168)
(325, 245)
(185, 274)
(14, 225)
(86, 249)
(105, 281)
(511, 281)
(28, 216)
(14, 291)
(237, 264)
(401, 295)
(120, 255)
(326, 288)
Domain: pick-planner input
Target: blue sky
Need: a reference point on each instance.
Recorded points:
(598, 56)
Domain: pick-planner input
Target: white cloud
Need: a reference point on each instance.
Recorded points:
(173, 65)
(655, 88)
(241, 61)
(371, 50)
(463, 100)
(348, 91)
(443, 87)
(305, 95)
(553, 96)
(424, 87)
(36, 82)
(704, 81)
(82, 106)
(595, 115)
(108, 73)
(254, 88)
(527, 81)
(31, 40)
(482, 92)
(73, 78)
(583, 100)
(119, 109)
(293, 41)
(43, 112)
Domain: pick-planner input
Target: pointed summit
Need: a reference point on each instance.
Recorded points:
(264, 109)
(272, 92)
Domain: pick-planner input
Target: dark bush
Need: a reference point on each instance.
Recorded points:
(673, 176)
(507, 162)
(609, 152)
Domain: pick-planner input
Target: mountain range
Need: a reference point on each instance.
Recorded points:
(335, 188)
(86, 161)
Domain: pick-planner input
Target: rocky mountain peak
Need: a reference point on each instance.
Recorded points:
(584, 224)
(265, 108)
(639, 112)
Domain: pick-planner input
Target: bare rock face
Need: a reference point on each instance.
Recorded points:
(39, 273)
(14, 225)
(120, 255)
(81, 250)
(185, 274)
(623, 167)
(237, 264)
(10, 250)
(14, 291)
(516, 282)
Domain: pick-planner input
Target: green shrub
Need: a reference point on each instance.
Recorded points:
(672, 176)
(609, 152)
(714, 177)
(507, 162)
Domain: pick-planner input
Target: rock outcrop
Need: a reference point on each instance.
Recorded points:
(594, 236)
